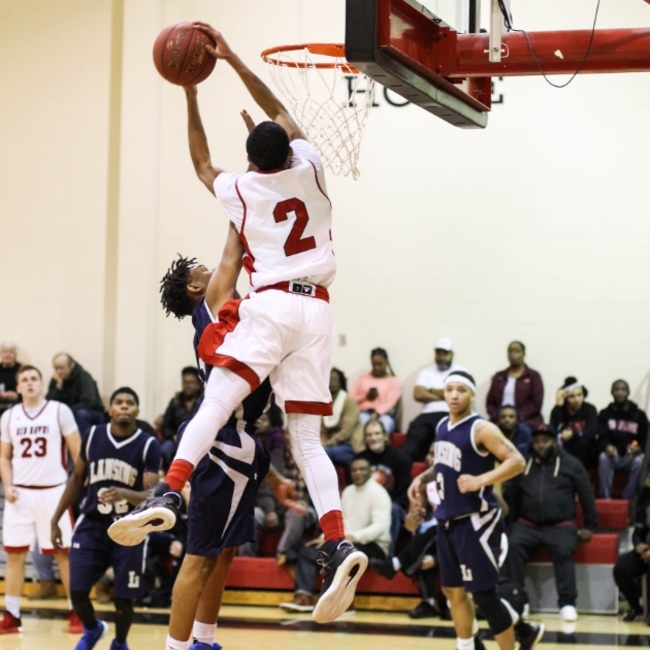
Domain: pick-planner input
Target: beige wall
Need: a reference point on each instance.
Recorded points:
(534, 229)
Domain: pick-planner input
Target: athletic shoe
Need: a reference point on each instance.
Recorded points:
(300, 603)
(478, 643)
(532, 637)
(568, 613)
(423, 610)
(633, 614)
(46, 591)
(198, 645)
(75, 626)
(342, 566)
(116, 645)
(157, 512)
(10, 624)
(90, 637)
(384, 567)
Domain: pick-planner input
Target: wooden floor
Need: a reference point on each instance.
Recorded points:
(269, 628)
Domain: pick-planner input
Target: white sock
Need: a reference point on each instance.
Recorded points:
(12, 605)
(465, 644)
(70, 607)
(397, 565)
(431, 601)
(173, 644)
(204, 632)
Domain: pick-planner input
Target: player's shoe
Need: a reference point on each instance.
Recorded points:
(478, 643)
(342, 566)
(199, 645)
(116, 645)
(532, 637)
(10, 624)
(75, 626)
(156, 512)
(90, 637)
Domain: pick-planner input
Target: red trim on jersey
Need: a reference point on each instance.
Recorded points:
(16, 549)
(249, 258)
(27, 414)
(318, 183)
(54, 551)
(308, 408)
(321, 292)
(213, 337)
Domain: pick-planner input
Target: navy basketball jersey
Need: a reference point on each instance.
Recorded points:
(455, 453)
(115, 462)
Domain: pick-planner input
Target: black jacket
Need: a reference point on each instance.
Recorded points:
(641, 524)
(395, 466)
(620, 424)
(177, 413)
(545, 493)
(79, 391)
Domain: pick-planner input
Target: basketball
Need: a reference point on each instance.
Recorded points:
(180, 56)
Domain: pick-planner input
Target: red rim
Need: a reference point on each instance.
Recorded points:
(335, 50)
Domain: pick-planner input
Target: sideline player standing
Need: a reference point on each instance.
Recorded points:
(283, 329)
(120, 464)
(34, 437)
(469, 519)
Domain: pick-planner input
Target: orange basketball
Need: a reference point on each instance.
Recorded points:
(180, 56)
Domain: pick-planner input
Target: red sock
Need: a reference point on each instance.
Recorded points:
(332, 524)
(178, 474)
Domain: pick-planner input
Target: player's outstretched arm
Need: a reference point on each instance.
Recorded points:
(488, 436)
(259, 91)
(72, 490)
(222, 283)
(199, 150)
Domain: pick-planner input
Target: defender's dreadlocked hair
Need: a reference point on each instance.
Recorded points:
(173, 288)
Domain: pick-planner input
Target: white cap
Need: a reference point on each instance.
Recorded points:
(445, 344)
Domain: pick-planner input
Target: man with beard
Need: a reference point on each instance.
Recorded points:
(517, 432)
(542, 504)
(623, 436)
(429, 390)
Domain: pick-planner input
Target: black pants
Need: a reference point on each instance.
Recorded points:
(411, 558)
(628, 567)
(421, 433)
(560, 542)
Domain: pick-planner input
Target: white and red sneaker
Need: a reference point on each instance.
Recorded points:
(10, 624)
(75, 626)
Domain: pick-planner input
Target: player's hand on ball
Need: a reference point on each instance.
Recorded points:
(222, 51)
(469, 483)
(55, 536)
(12, 494)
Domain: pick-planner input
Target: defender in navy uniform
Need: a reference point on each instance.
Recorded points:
(469, 531)
(120, 463)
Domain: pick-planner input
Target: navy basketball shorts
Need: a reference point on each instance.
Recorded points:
(93, 551)
(468, 551)
(221, 513)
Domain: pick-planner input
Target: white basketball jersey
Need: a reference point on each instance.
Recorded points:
(284, 219)
(39, 451)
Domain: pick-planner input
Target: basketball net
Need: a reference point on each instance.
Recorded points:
(323, 91)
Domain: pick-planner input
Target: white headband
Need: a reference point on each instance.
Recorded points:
(461, 379)
(572, 386)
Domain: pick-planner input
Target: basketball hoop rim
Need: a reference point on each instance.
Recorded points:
(334, 50)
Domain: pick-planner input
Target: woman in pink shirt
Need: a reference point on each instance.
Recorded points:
(377, 392)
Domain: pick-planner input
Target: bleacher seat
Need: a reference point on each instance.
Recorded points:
(397, 439)
(613, 514)
(417, 468)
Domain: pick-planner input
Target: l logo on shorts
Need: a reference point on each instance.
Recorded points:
(467, 573)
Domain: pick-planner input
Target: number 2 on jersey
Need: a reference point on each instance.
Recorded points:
(294, 244)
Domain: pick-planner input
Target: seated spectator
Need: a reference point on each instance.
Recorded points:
(74, 386)
(270, 432)
(542, 503)
(391, 468)
(634, 564)
(519, 434)
(181, 408)
(341, 432)
(366, 518)
(623, 436)
(378, 392)
(517, 385)
(429, 390)
(576, 422)
(8, 368)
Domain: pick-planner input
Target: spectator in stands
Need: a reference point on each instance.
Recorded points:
(517, 385)
(391, 468)
(341, 432)
(519, 433)
(622, 438)
(181, 408)
(270, 432)
(576, 422)
(378, 392)
(429, 390)
(8, 368)
(74, 386)
(636, 563)
(542, 503)
(366, 518)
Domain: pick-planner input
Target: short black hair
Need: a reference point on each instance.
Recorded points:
(523, 347)
(190, 370)
(128, 391)
(267, 146)
(173, 288)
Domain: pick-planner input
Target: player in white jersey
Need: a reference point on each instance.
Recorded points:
(281, 220)
(34, 437)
